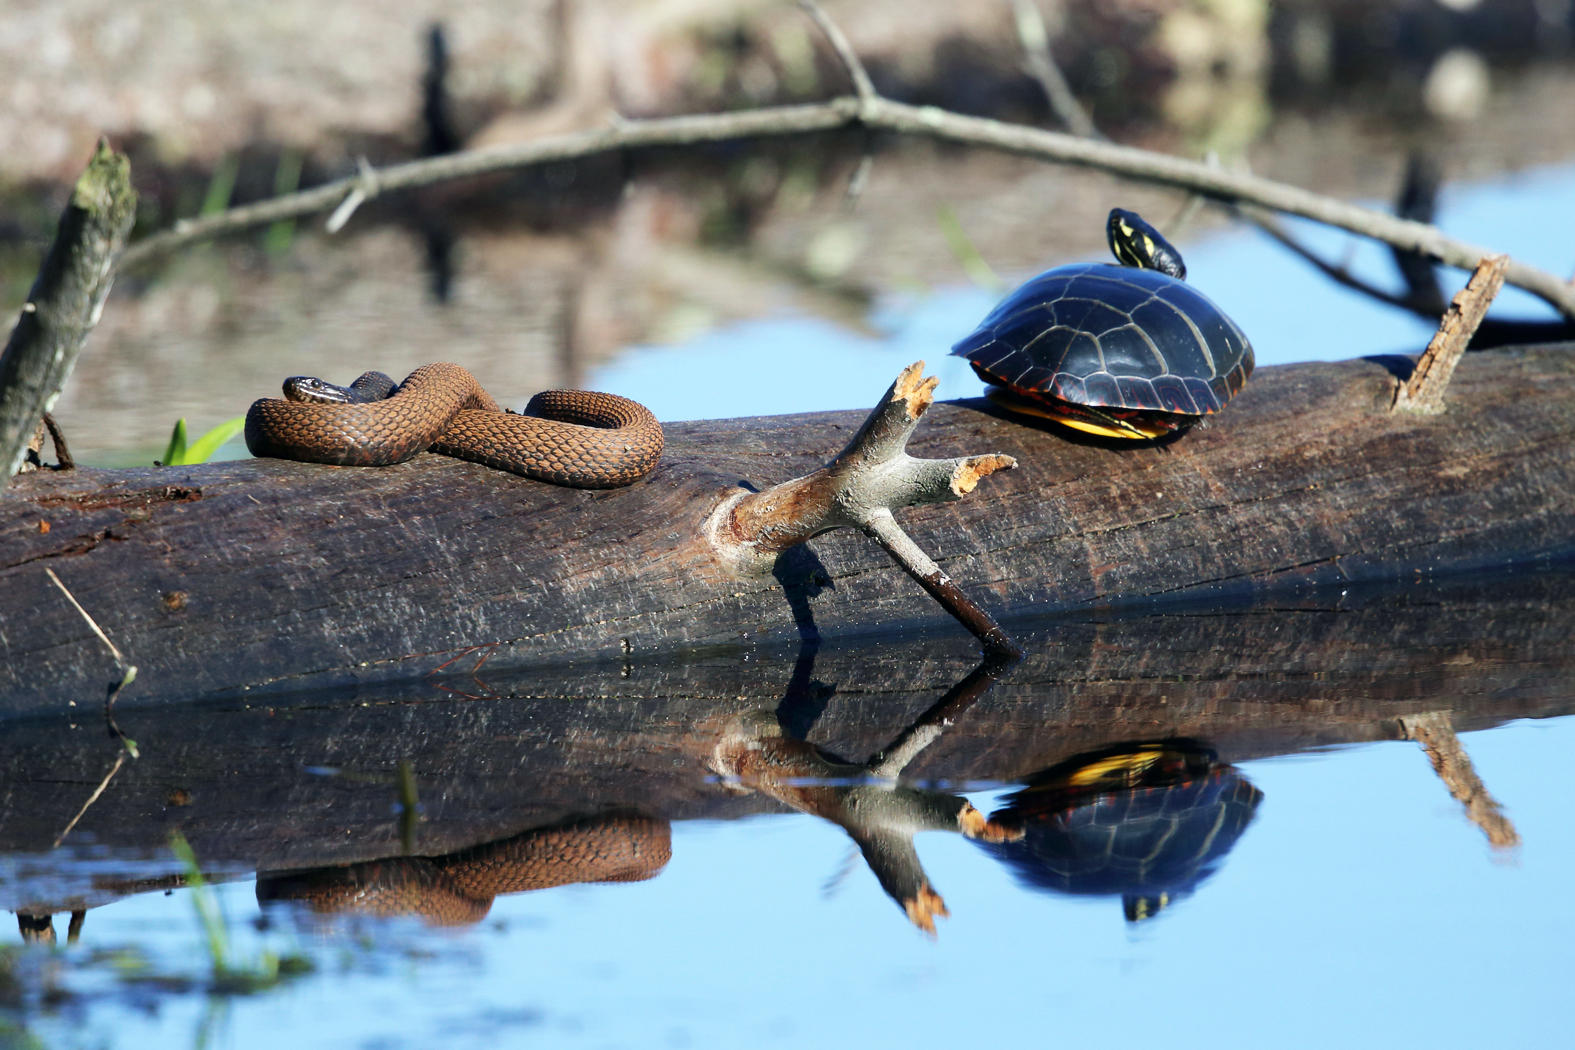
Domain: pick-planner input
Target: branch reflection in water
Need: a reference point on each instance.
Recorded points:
(756, 753)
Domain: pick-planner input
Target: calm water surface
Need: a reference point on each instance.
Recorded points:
(1358, 908)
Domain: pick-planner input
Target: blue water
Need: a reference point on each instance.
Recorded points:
(1359, 909)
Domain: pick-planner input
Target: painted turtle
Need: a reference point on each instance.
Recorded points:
(1144, 821)
(1128, 351)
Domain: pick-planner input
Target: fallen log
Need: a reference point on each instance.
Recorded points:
(268, 575)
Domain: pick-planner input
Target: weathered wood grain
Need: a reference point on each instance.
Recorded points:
(268, 575)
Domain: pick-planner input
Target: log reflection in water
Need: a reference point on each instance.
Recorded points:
(310, 781)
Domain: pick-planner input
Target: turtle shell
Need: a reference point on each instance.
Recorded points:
(1112, 337)
(1149, 841)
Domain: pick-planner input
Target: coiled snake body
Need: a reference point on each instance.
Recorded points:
(579, 438)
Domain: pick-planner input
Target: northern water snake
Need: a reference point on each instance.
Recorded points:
(579, 438)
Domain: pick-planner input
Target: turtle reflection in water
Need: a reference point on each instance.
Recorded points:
(1129, 352)
(1145, 821)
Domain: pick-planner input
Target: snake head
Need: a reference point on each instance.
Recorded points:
(317, 391)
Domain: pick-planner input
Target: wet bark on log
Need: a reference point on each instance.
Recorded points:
(269, 575)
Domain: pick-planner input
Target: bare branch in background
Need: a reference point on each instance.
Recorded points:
(1336, 272)
(868, 109)
(863, 87)
(1040, 64)
(1422, 297)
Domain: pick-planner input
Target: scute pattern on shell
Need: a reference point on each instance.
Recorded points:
(1114, 337)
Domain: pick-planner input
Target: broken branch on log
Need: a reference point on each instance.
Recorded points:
(1424, 391)
(860, 488)
(65, 301)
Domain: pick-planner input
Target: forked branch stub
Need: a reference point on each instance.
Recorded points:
(860, 488)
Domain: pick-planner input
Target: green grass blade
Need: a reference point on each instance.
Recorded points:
(221, 185)
(175, 451)
(204, 447)
(286, 179)
(206, 903)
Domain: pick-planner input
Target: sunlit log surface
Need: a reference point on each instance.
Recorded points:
(262, 576)
(309, 780)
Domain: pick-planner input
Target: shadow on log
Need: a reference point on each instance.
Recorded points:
(265, 576)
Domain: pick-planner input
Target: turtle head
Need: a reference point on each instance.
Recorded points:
(1136, 243)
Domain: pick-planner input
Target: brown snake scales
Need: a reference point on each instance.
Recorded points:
(579, 438)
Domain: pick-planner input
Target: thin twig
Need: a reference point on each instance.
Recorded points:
(128, 671)
(120, 659)
(366, 187)
(883, 529)
(1041, 65)
(63, 460)
(889, 762)
(863, 87)
(128, 675)
(120, 760)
